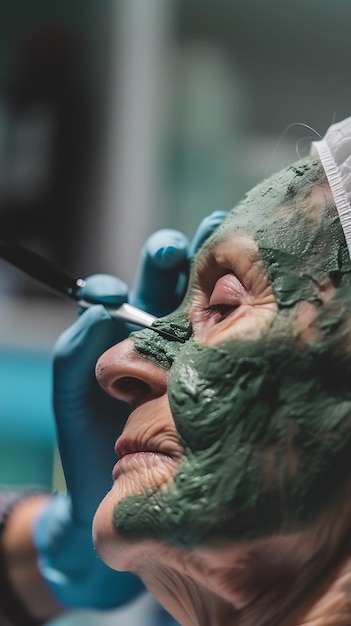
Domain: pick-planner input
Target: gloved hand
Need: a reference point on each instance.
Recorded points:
(88, 421)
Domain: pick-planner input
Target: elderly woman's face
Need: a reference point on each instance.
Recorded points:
(242, 430)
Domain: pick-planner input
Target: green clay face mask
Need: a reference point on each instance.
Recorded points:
(265, 423)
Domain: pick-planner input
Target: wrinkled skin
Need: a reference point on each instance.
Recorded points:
(231, 493)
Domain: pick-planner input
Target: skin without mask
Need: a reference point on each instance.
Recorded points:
(264, 422)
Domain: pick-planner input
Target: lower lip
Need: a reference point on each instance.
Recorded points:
(137, 460)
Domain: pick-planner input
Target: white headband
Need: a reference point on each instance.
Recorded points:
(334, 151)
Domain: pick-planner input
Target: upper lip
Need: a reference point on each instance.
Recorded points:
(126, 446)
(149, 431)
(129, 446)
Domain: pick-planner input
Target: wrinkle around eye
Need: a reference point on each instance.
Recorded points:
(246, 322)
(231, 293)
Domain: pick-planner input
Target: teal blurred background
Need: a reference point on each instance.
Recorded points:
(27, 433)
(118, 117)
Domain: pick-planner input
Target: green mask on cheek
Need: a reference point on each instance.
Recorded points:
(260, 456)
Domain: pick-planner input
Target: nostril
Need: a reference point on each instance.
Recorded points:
(132, 390)
(126, 376)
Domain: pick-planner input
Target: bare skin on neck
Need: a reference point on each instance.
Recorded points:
(297, 580)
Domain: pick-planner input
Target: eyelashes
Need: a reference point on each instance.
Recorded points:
(220, 309)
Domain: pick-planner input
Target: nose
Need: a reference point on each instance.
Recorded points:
(127, 376)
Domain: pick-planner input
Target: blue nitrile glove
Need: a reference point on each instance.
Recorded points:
(206, 227)
(163, 256)
(88, 423)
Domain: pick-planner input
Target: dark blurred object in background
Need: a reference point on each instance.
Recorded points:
(49, 124)
(50, 138)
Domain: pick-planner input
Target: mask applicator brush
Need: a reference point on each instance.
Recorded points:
(58, 281)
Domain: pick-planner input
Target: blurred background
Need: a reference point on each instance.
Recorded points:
(119, 117)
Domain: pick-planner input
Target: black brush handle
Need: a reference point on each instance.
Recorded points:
(40, 269)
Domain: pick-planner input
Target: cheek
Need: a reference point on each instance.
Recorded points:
(217, 394)
(252, 437)
(304, 323)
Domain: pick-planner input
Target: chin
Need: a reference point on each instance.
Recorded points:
(110, 546)
(113, 548)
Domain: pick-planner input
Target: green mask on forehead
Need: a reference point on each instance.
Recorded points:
(298, 250)
(265, 424)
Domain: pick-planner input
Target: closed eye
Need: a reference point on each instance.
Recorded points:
(231, 294)
(221, 302)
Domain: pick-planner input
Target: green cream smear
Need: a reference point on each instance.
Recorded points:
(265, 424)
(159, 349)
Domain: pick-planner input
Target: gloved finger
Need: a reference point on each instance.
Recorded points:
(75, 355)
(163, 262)
(86, 443)
(104, 289)
(207, 226)
(69, 562)
(88, 421)
(79, 346)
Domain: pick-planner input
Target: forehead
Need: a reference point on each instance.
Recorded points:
(292, 221)
(284, 206)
